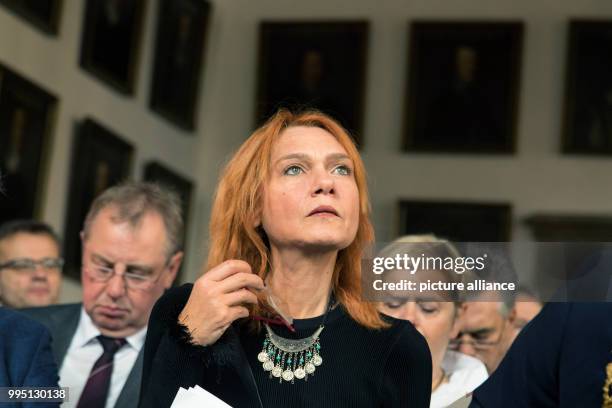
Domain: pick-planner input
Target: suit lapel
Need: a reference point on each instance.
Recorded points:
(65, 323)
(128, 397)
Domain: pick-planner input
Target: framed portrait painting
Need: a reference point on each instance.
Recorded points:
(100, 159)
(457, 221)
(27, 118)
(44, 14)
(319, 65)
(179, 50)
(168, 178)
(111, 41)
(587, 127)
(463, 87)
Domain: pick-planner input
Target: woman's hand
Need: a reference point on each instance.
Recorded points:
(217, 299)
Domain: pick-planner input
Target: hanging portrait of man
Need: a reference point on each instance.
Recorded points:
(179, 51)
(111, 39)
(463, 87)
(588, 101)
(26, 119)
(457, 221)
(317, 65)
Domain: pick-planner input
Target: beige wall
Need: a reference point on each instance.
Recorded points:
(536, 179)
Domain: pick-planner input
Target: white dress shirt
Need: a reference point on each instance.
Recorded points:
(465, 374)
(83, 352)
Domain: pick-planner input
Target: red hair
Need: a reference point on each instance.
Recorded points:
(237, 206)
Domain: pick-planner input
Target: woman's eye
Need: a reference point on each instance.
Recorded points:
(293, 171)
(394, 305)
(428, 308)
(342, 170)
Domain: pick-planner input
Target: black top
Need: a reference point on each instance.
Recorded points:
(361, 367)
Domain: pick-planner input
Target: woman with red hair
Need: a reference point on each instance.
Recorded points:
(289, 223)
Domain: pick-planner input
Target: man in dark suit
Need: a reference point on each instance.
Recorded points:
(25, 355)
(563, 357)
(131, 253)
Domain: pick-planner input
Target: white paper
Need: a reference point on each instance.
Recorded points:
(196, 397)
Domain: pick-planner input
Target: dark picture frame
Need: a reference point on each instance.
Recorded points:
(27, 119)
(318, 65)
(587, 122)
(159, 173)
(179, 52)
(110, 48)
(463, 86)
(43, 14)
(100, 159)
(456, 220)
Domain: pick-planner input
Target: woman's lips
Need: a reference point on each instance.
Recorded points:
(324, 214)
(324, 210)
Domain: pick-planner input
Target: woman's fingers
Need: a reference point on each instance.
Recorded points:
(238, 312)
(227, 269)
(240, 297)
(240, 280)
(218, 298)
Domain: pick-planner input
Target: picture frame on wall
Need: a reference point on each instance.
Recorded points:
(100, 159)
(463, 86)
(319, 65)
(43, 14)
(27, 119)
(587, 127)
(157, 172)
(457, 221)
(110, 48)
(179, 52)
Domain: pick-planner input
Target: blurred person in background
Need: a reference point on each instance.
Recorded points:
(436, 317)
(488, 317)
(563, 357)
(486, 330)
(26, 359)
(131, 242)
(30, 264)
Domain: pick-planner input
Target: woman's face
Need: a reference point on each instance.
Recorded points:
(434, 319)
(310, 199)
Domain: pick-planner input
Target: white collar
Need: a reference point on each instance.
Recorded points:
(87, 332)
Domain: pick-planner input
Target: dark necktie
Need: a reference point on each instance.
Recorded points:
(96, 389)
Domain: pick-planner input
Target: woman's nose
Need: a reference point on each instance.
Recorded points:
(324, 183)
(409, 313)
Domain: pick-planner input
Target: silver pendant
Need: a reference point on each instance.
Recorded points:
(276, 372)
(263, 357)
(287, 375)
(288, 359)
(300, 373)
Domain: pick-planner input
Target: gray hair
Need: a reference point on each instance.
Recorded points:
(427, 245)
(133, 200)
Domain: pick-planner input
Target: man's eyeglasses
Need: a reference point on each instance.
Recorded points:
(133, 280)
(27, 265)
(479, 344)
